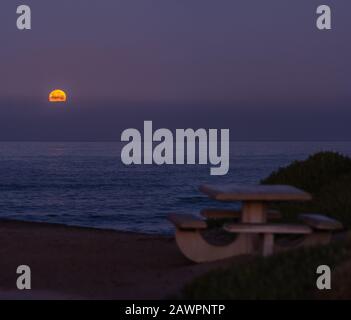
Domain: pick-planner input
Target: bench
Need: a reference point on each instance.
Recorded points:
(187, 222)
(195, 247)
(321, 222)
(317, 229)
(234, 214)
(191, 222)
(268, 231)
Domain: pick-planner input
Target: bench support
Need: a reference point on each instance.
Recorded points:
(197, 249)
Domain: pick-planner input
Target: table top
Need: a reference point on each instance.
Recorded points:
(238, 192)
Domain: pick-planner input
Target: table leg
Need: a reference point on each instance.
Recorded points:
(254, 212)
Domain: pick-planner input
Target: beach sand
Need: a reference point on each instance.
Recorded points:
(84, 263)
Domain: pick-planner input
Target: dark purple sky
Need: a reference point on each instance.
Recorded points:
(180, 63)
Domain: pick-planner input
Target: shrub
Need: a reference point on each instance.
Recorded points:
(327, 175)
(317, 171)
(334, 200)
(290, 275)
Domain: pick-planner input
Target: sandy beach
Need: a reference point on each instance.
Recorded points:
(84, 263)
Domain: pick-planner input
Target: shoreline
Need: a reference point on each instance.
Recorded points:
(88, 263)
(73, 226)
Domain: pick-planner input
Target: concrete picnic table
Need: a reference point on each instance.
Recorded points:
(255, 198)
(253, 233)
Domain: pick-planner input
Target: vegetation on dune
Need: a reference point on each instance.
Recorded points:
(327, 176)
(335, 200)
(290, 275)
(313, 173)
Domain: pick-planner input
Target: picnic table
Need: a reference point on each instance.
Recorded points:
(254, 231)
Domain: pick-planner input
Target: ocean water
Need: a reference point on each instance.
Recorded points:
(85, 184)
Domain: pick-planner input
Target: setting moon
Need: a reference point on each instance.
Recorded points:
(57, 96)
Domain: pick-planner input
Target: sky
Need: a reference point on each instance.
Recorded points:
(258, 67)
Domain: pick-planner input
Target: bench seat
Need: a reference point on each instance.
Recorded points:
(187, 221)
(234, 214)
(268, 228)
(320, 222)
(268, 231)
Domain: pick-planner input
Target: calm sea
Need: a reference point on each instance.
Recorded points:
(85, 184)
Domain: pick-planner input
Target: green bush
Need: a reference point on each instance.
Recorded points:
(314, 173)
(327, 176)
(290, 275)
(334, 200)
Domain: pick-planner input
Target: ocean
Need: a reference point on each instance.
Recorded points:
(86, 184)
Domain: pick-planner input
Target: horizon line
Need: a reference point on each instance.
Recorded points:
(232, 140)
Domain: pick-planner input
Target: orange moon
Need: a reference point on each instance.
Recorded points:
(58, 96)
